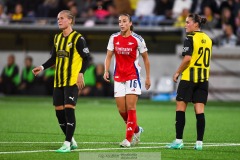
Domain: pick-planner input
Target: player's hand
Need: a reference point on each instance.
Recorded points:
(175, 77)
(147, 83)
(106, 76)
(37, 70)
(80, 81)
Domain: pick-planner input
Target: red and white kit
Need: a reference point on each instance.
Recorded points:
(126, 63)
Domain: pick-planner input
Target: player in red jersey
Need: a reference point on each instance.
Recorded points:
(127, 46)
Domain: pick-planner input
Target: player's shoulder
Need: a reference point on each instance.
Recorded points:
(76, 33)
(137, 36)
(191, 34)
(115, 34)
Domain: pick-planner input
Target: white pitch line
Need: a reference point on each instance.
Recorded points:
(153, 143)
(104, 149)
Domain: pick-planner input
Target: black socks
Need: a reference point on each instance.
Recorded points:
(180, 123)
(200, 126)
(61, 120)
(71, 123)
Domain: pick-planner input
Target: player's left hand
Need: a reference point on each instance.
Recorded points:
(80, 81)
(175, 77)
(147, 83)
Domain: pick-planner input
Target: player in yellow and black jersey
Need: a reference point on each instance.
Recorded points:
(70, 55)
(194, 71)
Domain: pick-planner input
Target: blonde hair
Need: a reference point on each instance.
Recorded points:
(69, 15)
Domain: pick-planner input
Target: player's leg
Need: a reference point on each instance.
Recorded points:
(184, 95)
(133, 90)
(200, 99)
(70, 100)
(200, 125)
(58, 102)
(119, 94)
(121, 105)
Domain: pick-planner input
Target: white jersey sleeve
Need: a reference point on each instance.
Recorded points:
(141, 43)
(110, 46)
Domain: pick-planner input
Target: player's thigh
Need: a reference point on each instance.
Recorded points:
(119, 89)
(70, 95)
(121, 104)
(200, 94)
(58, 96)
(131, 101)
(185, 91)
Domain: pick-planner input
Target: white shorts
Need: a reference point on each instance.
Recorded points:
(128, 87)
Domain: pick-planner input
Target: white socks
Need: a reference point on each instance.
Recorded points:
(179, 140)
(199, 143)
(66, 143)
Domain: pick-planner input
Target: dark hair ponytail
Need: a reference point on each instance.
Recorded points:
(198, 19)
(203, 20)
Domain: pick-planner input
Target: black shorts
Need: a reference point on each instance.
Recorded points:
(192, 92)
(65, 95)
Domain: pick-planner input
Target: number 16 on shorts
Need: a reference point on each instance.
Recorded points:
(128, 87)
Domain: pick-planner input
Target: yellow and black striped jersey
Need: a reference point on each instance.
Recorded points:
(199, 46)
(67, 55)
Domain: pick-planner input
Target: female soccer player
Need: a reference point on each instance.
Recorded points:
(70, 56)
(193, 86)
(126, 46)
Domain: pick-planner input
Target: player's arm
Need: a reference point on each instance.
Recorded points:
(83, 51)
(107, 65)
(49, 63)
(187, 55)
(147, 68)
(110, 52)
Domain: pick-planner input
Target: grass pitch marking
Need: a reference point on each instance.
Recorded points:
(106, 149)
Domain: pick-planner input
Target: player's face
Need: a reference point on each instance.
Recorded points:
(63, 21)
(190, 26)
(124, 23)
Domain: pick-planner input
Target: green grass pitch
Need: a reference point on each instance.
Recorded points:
(29, 129)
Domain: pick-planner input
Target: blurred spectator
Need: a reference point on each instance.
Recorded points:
(100, 12)
(162, 10)
(212, 4)
(225, 19)
(228, 39)
(74, 11)
(27, 77)
(133, 4)
(18, 13)
(181, 19)
(90, 18)
(3, 16)
(179, 6)
(113, 16)
(85, 5)
(211, 20)
(48, 79)
(233, 5)
(10, 79)
(237, 23)
(30, 7)
(49, 8)
(123, 6)
(144, 12)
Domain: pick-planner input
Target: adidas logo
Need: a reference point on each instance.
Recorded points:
(129, 129)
